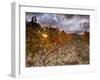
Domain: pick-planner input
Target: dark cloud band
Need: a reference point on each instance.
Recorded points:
(70, 23)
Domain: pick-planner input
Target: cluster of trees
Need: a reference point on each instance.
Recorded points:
(48, 39)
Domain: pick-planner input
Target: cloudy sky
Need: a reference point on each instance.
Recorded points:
(70, 23)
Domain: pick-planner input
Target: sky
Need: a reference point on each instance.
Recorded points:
(70, 23)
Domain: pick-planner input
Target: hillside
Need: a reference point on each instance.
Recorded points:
(48, 46)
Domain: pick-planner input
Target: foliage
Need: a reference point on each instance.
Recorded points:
(48, 46)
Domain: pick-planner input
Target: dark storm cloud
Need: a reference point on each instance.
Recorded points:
(70, 23)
